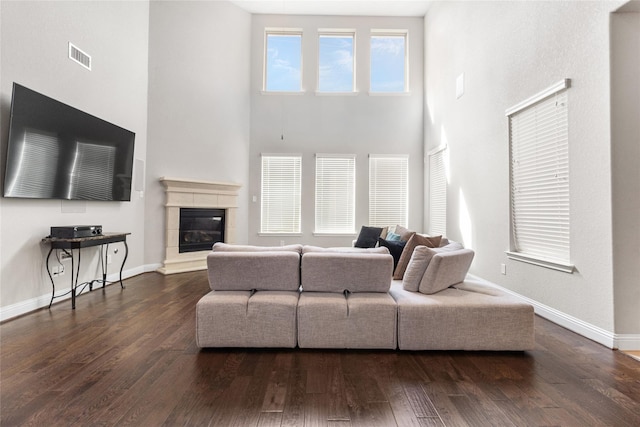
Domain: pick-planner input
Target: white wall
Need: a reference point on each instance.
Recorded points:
(625, 161)
(355, 124)
(34, 43)
(509, 51)
(198, 104)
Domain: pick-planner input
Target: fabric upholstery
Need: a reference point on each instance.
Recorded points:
(378, 250)
(468, 316)
(334, 320)
(354, 272)
(417, 266)
(415, 240)
(225, 247)
(245, 271)
(446, 268)
(395, 249)
(246, 319)
(404, 233)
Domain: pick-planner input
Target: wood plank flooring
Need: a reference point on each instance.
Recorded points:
(128, 357)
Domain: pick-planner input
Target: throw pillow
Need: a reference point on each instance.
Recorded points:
(446, 268)
(393, 237)
(368, 237)
(395, 249)
(415, 240)
(417, 266)
(404, 233)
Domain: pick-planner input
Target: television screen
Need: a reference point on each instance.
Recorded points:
(59, 152)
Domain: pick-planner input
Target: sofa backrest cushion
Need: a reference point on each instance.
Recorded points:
(419, 262)
(225, 247)
(446, 268)
(345, 249)
(339, 272)
(261, 271)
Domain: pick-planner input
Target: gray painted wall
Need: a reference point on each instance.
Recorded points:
(199, 60)
(625, 161)
(34, 43)
(353, 124)
(509, 51)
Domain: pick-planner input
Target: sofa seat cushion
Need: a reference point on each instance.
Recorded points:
(353, 272)
(469, 316)
(333, 320)
(247, 319)
(246, 271)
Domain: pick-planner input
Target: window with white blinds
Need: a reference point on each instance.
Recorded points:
(335, 194)
(539, 148)
(438, 192)
(388, 190)
(280, 202)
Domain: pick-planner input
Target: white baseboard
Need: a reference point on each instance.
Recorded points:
(587, 330)
(627, 341)
(24, 307)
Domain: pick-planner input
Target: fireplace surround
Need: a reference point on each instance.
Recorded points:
(190, 194)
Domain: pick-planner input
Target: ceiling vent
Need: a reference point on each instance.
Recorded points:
(79, 56)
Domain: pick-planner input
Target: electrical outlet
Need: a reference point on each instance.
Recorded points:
(503, 268)
(109, 259)
(64, 256)
(55, 271)
(61, 270)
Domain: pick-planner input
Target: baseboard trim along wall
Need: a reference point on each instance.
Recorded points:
(587, 330)
(24, 307)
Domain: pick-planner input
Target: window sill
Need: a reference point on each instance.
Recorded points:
(542, 262)
(390, 93)
(325, 234)
(280, 234)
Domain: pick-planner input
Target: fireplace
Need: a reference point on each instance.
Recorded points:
(217, 199)
(200, 229)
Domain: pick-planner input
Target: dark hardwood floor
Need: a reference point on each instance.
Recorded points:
(128, 357)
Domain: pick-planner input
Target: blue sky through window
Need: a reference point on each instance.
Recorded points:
(336, 63)
(284, 63)
(388, 63)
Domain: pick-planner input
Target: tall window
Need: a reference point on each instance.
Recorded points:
(336, 61)
(335, 193)
(438, 192)
(280, 202)
(388, 190)
(283, 60)
(389, 61)
(539, 148)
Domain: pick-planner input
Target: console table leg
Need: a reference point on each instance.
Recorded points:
(53, 285)
(126, 254)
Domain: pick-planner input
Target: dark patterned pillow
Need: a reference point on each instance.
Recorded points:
(368, 237)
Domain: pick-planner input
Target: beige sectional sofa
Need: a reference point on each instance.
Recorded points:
(345, 298)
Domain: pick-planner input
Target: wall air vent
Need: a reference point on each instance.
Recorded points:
(79, 56)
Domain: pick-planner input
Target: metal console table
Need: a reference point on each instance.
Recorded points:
(68, 246)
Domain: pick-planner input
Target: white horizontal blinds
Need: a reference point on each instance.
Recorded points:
(540, 178)
(437, 193)
(388, 190)
(335, 194)
(280, 206)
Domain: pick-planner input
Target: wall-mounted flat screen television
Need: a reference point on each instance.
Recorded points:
(59, 152)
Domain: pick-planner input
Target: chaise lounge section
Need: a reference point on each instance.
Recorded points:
(345, 298)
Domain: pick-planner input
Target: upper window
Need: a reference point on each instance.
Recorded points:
(336, 61)
(335, 193)
(539, 148)
(389, 61)
(281, 189)
(283, 61)
(388, 190)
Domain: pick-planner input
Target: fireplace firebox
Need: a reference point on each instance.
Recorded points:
(200, 229)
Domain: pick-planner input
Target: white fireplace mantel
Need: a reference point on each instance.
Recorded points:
(186, 193)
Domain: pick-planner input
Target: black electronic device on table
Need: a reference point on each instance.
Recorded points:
(76, 231)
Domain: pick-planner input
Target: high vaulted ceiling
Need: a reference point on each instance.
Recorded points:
(336, 7)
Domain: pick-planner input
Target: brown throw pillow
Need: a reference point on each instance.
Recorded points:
(415, 240)
(405, 234)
